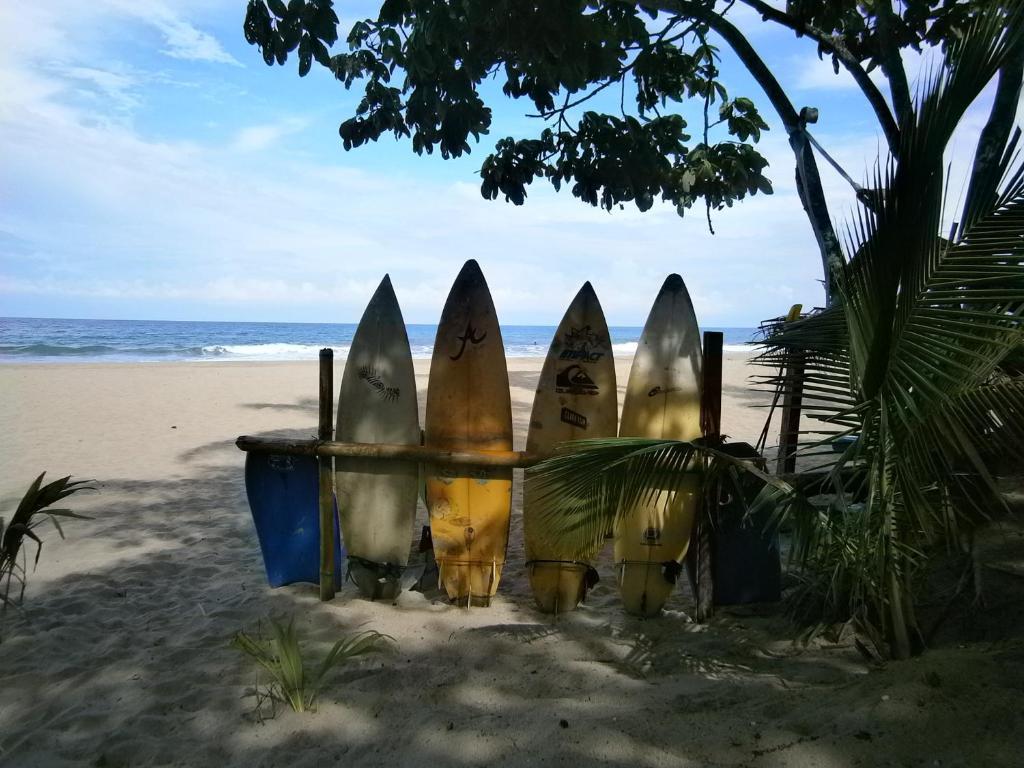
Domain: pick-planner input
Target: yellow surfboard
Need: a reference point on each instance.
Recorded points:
(662, 401)
(576, 399)
(469, 407)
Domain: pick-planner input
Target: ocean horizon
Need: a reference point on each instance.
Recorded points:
(67, 340)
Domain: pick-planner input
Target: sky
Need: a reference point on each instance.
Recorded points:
(153, 167)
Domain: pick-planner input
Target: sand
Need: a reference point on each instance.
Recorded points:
(121, 654)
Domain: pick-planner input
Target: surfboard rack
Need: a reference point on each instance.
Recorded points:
(390, 452)
(323, 448)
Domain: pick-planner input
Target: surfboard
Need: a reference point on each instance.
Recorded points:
(662, 401)
(469, 407)
(283, 494)
(377, 404)
(576, 399)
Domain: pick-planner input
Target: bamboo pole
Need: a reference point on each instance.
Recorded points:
(792, 402)
(390, 452)
(701, 553)
(327, 520)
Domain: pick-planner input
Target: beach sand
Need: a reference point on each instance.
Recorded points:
(121, 654)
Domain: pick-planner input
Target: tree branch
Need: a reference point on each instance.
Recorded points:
(836, 48)
(808, 179)
(985, 175)
(892, 64)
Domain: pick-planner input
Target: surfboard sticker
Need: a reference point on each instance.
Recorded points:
(574, 380)
(584, 344)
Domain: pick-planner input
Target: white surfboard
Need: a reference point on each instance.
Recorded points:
(662, 401)
(377, 404)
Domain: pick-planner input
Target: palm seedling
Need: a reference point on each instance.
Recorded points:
(911, 371)
(281, 656)
(35, 507)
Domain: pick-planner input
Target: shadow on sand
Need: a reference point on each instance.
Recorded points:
(128, 656)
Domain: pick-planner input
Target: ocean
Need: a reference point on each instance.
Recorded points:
(25, 339)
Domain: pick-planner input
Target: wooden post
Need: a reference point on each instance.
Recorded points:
(711, 400)
(792, 401)
(700, 558)
(324, 432)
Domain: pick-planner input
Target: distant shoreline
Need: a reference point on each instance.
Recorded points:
(731, 353)
(85, 341)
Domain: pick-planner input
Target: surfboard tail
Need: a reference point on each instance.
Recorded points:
(469, 583)
(559, 586)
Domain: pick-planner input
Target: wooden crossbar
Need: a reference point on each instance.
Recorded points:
(389, 451)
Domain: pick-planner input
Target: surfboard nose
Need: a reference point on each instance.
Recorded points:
(384, 288)
(470, 287)
(585, 293)
(673, 284)
(383, 303)
(470, 271)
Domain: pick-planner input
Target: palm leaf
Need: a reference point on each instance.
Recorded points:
(37, 501)
(591, 485)
(281, 656)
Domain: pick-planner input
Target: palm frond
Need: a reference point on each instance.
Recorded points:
(590, 485)
(34, 507)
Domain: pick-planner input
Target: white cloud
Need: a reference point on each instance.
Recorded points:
(66, 30)
(117, 88)
(183, 39)
(186, 42)
(259, 137)
(177, 222)
(814, 74)
(108, 213)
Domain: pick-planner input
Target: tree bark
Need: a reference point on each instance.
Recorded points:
(985, 175)
(892, 64)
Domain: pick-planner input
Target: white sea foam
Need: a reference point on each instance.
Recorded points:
(525, 350)
(276, 351)
(282, 351)
(628, 348)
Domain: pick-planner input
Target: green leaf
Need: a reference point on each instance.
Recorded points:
(281, 656)
(278, 7)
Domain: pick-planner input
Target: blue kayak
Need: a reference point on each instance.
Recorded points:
(283, 495)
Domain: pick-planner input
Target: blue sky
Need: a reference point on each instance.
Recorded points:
(151, 166)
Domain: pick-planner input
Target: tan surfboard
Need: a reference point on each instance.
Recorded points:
(469, 407)
(576, 399)
(377, 404)
(662, 401)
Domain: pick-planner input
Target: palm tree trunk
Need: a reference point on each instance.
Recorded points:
(899, 635)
